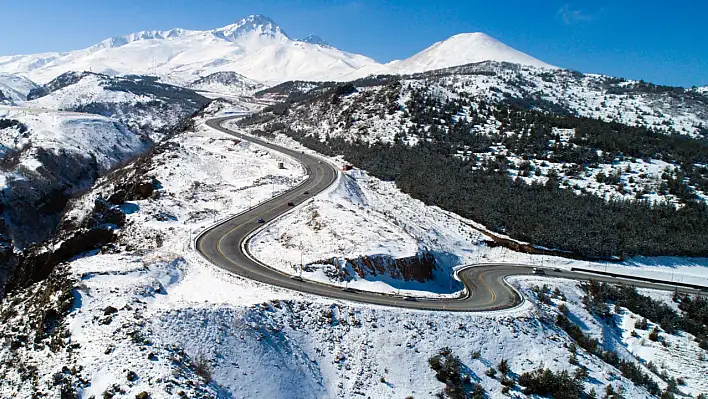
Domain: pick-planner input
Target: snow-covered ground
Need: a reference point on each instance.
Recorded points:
(362, 216)
(147, 313)
(677, 354)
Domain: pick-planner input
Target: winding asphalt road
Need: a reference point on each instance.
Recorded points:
(225, 245)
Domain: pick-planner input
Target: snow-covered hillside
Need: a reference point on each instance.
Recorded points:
(229, 83)
(147, 316)
(140, 102)
(635, 103)
(384, 110)
(15, 88)
(45, 158)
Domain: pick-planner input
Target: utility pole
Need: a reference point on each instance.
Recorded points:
(302, 266)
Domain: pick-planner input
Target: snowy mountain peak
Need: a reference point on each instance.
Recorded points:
(464, 48)
(257, 24)
(314, 39)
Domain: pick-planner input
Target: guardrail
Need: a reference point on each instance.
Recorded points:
(640, 278)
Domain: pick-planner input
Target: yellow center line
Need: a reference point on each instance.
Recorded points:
(494, 295)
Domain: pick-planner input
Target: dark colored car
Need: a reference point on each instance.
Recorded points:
(260, 220)
(291, 204)
(306, 192)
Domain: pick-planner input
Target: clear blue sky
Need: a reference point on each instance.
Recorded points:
(658, 41)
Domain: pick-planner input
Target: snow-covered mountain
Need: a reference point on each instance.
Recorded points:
(465, 48)
(15, 88)
(255, 47)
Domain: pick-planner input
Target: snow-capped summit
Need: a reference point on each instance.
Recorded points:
(253, 24)
(314, 39)
(258, 26)
(255, 47)
(465, 48)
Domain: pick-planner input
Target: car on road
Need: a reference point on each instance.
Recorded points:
(298, 278)
(291, 203)
(350, 289)
(538, 271)
(557, 270)
(260, 220)
(319, 162)
(410, 298)
(306, 192)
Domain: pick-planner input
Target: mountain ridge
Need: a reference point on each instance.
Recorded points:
(255, 47)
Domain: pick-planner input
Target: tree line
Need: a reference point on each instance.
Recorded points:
(544, 215)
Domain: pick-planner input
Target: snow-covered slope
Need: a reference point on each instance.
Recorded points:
(45, 158)
(465, 48)
(15, 88)
(138, 101)
(255, 47)
(230, 83)
(90, 136)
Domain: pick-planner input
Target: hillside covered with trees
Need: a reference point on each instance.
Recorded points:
(512, 164)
